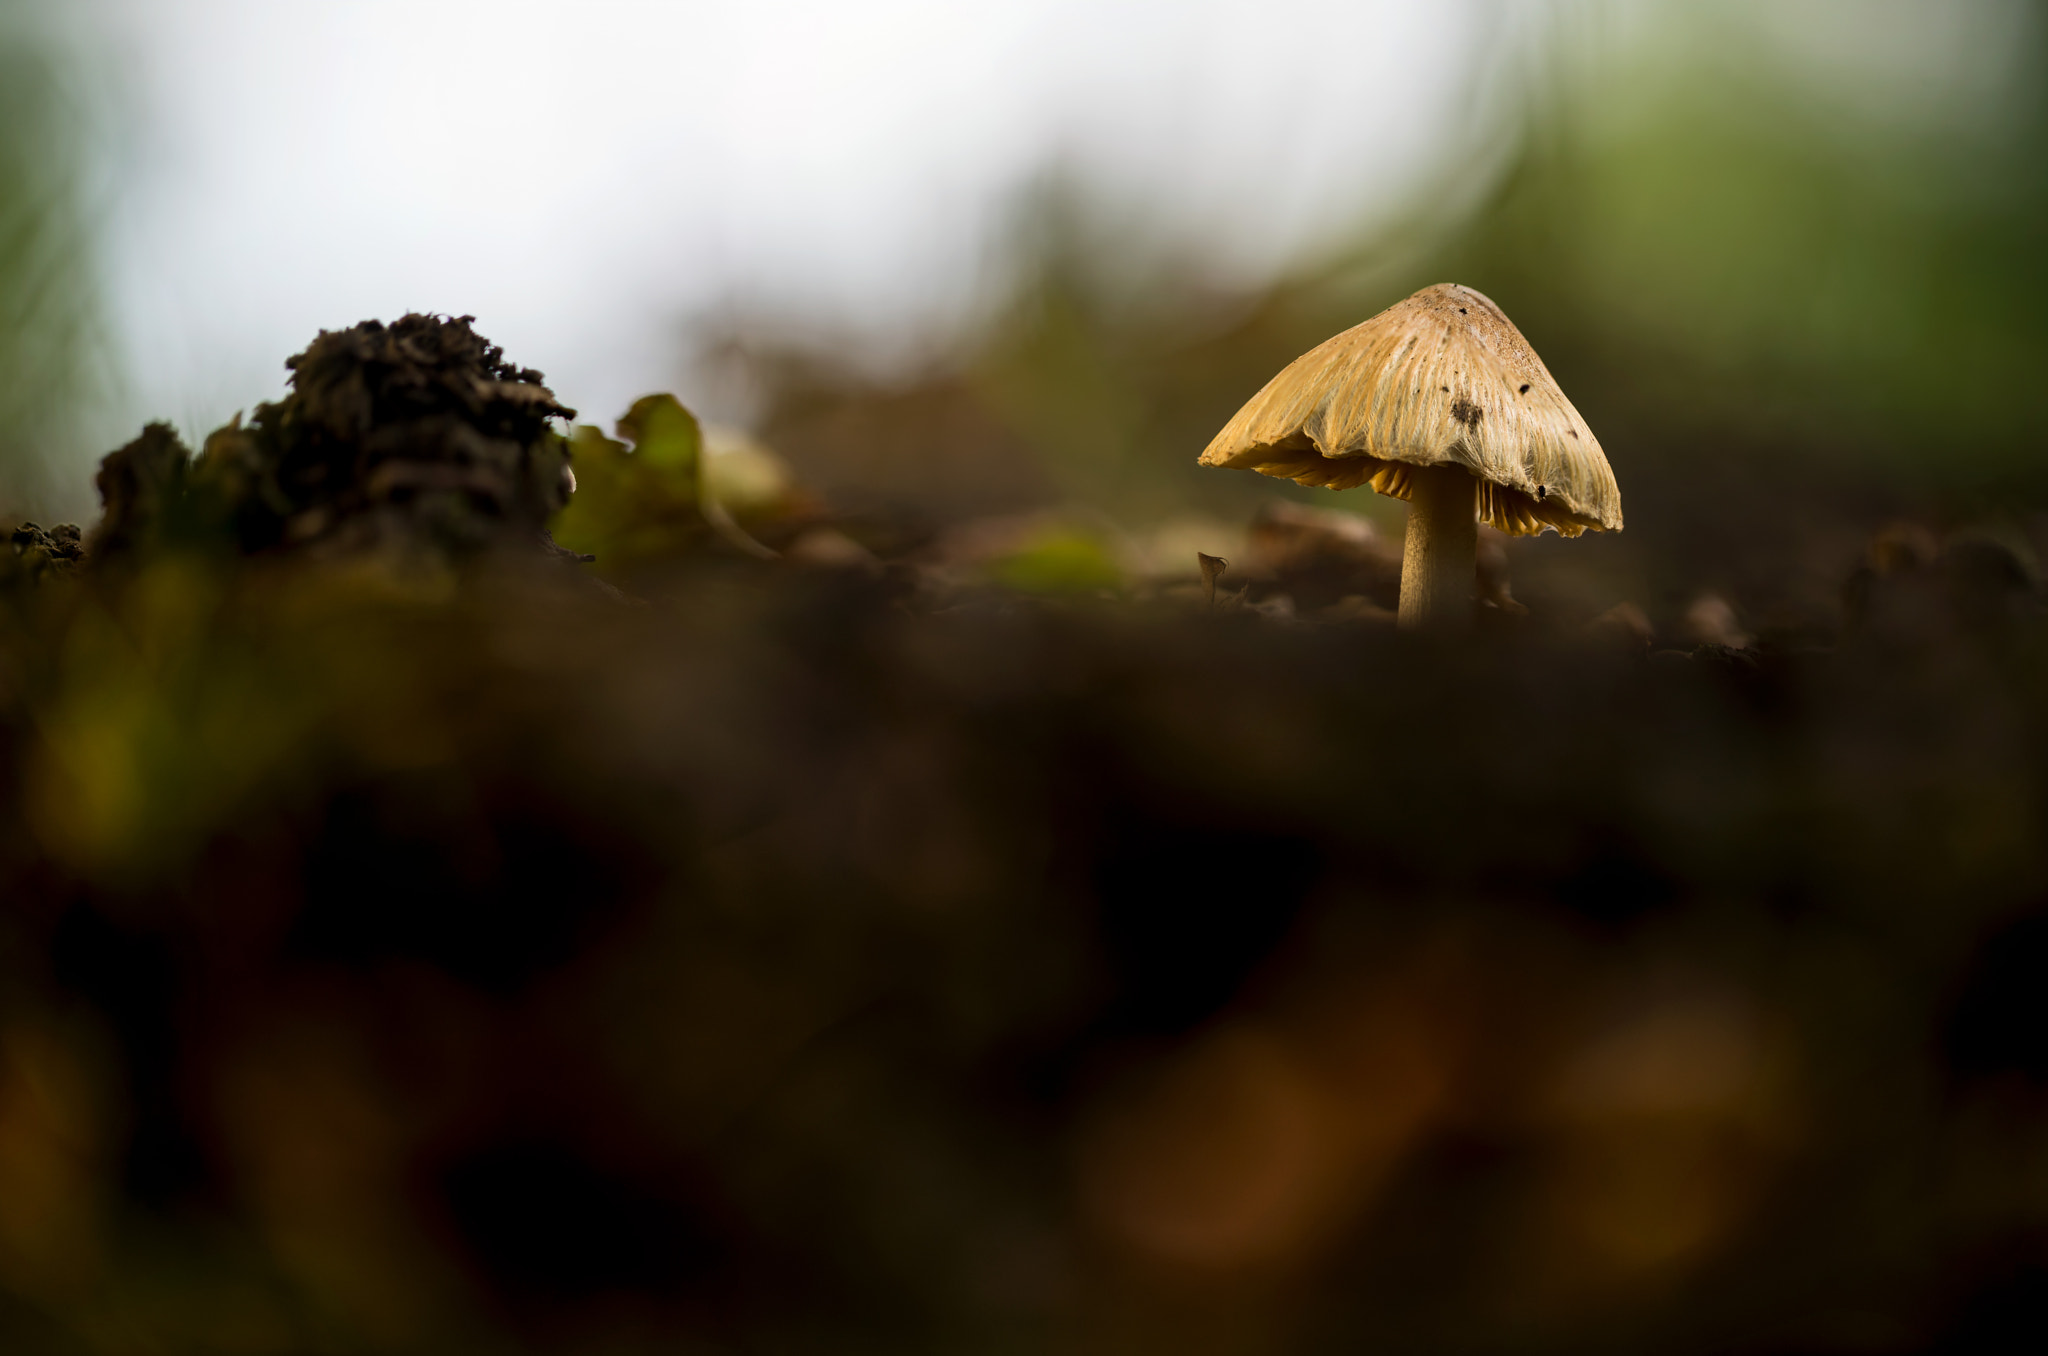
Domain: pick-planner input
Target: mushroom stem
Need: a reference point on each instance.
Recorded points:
(1439, 557)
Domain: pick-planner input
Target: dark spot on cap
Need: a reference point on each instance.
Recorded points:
(1525, 388)
(1461, 310)
(1447, 390)
(1575, 433)
(1466, 413)
(1542, 491)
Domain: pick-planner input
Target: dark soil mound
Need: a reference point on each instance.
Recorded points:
(415, 439)
(409, 435)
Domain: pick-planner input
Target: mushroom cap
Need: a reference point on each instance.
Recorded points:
(1443, 378)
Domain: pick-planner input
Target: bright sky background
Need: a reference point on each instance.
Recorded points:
(593, 178)
(588, 178)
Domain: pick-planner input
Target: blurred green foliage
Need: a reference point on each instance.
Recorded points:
(664, 497)
(1060, 560)
(636, 503)
(51, 349)
(1730, 252)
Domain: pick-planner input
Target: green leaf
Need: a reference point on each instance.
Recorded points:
(664, 434)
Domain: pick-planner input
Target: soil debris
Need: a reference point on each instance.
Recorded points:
(142, 488)
(415, 440)
(37, 552)
(413, 436)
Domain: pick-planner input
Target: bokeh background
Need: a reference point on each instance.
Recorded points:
(959, 933)
(1769, 249)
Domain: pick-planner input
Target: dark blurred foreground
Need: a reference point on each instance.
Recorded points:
(412, 944)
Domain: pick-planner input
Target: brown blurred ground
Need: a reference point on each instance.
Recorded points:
(777, 964)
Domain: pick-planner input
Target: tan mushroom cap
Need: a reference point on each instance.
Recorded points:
(1441, 378)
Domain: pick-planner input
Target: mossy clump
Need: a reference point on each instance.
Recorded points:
(145, 498)
(35, 552)
(415, 440)
(412, 435)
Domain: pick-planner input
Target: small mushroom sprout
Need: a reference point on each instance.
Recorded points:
(1440, 401)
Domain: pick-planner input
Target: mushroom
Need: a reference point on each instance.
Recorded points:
(1440, 401)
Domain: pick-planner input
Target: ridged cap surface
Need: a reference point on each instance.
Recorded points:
(1441, 378)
